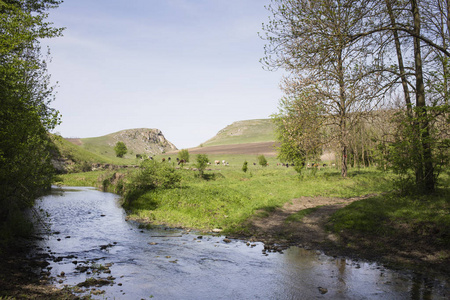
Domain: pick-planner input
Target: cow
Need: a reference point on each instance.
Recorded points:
(181, 161)
(217, 162)
(163, 159)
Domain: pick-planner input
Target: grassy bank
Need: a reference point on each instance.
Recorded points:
(230, 196)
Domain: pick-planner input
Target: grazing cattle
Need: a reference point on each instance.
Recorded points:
(254, 164)
(151, 157)
(169, 159)
(217, 162)
(224, 162)
(163, 159)
(138, 156)
(324, 165)
(181, 161)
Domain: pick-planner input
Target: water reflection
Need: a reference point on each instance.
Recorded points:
(93, 240)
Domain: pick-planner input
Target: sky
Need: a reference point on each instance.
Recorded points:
(186, 67)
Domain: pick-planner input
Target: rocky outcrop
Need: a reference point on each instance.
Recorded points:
(143, 140)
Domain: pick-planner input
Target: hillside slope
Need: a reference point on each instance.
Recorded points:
(242, 132)
(138, 141)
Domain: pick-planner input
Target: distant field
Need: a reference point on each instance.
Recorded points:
(265, 148)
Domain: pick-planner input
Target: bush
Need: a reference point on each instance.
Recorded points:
(262, 160)
(121, 149)
(202, 162)
(151, 175)
(184, 154)
(245, 167)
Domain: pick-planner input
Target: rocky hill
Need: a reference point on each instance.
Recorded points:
(138, 141)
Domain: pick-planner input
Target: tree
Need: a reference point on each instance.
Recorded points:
(299, 127)
(184, 155)
(202, 162)
(121, 149)
(311, 39)
(422, 28)
(25, 115)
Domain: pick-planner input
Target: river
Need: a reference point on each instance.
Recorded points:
(90, 238)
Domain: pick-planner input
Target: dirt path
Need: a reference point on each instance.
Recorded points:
(310, 232)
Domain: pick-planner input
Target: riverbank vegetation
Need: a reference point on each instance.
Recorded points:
(25, 115)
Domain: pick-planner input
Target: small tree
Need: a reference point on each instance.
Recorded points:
(262, 160)
(121, 149)
(184, 154)
(202, 162)
(245, 167)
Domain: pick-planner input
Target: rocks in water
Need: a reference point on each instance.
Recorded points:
(104, 247)
(227, 240)
(322, 290)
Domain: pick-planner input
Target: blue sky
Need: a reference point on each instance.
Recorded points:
(186, 67)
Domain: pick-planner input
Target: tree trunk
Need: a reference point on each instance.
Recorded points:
(425, 172)
(342, 113)
(401, 66)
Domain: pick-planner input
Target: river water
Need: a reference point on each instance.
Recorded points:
(90, 238)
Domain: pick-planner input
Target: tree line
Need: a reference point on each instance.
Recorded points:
(351, 60)
(25, 113)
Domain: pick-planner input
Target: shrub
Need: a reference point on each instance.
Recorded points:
(245, 167)
(121, 149)
(151, 175)
(262, 160)
(202, 162)
(184, 154)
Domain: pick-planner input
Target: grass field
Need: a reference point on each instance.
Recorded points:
(241, 132)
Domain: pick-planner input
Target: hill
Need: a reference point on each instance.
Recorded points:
(243, 132)
(138, 141)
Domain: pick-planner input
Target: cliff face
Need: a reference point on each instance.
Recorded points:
(142, 141)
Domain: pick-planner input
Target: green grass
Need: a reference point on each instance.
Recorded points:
(229, 199)
(385, 214)
(241, 132)
(79, 154)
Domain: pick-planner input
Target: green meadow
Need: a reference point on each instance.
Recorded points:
(227, 197)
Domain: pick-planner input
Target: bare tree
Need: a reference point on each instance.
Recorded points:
(314, 41)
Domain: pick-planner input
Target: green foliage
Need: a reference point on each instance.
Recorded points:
(184, 154)
(262, 161)
(245, 167)
(299, 127)
(405, 155)
(25, 115)
(151, 175)
(202, 162)
(121, 149)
